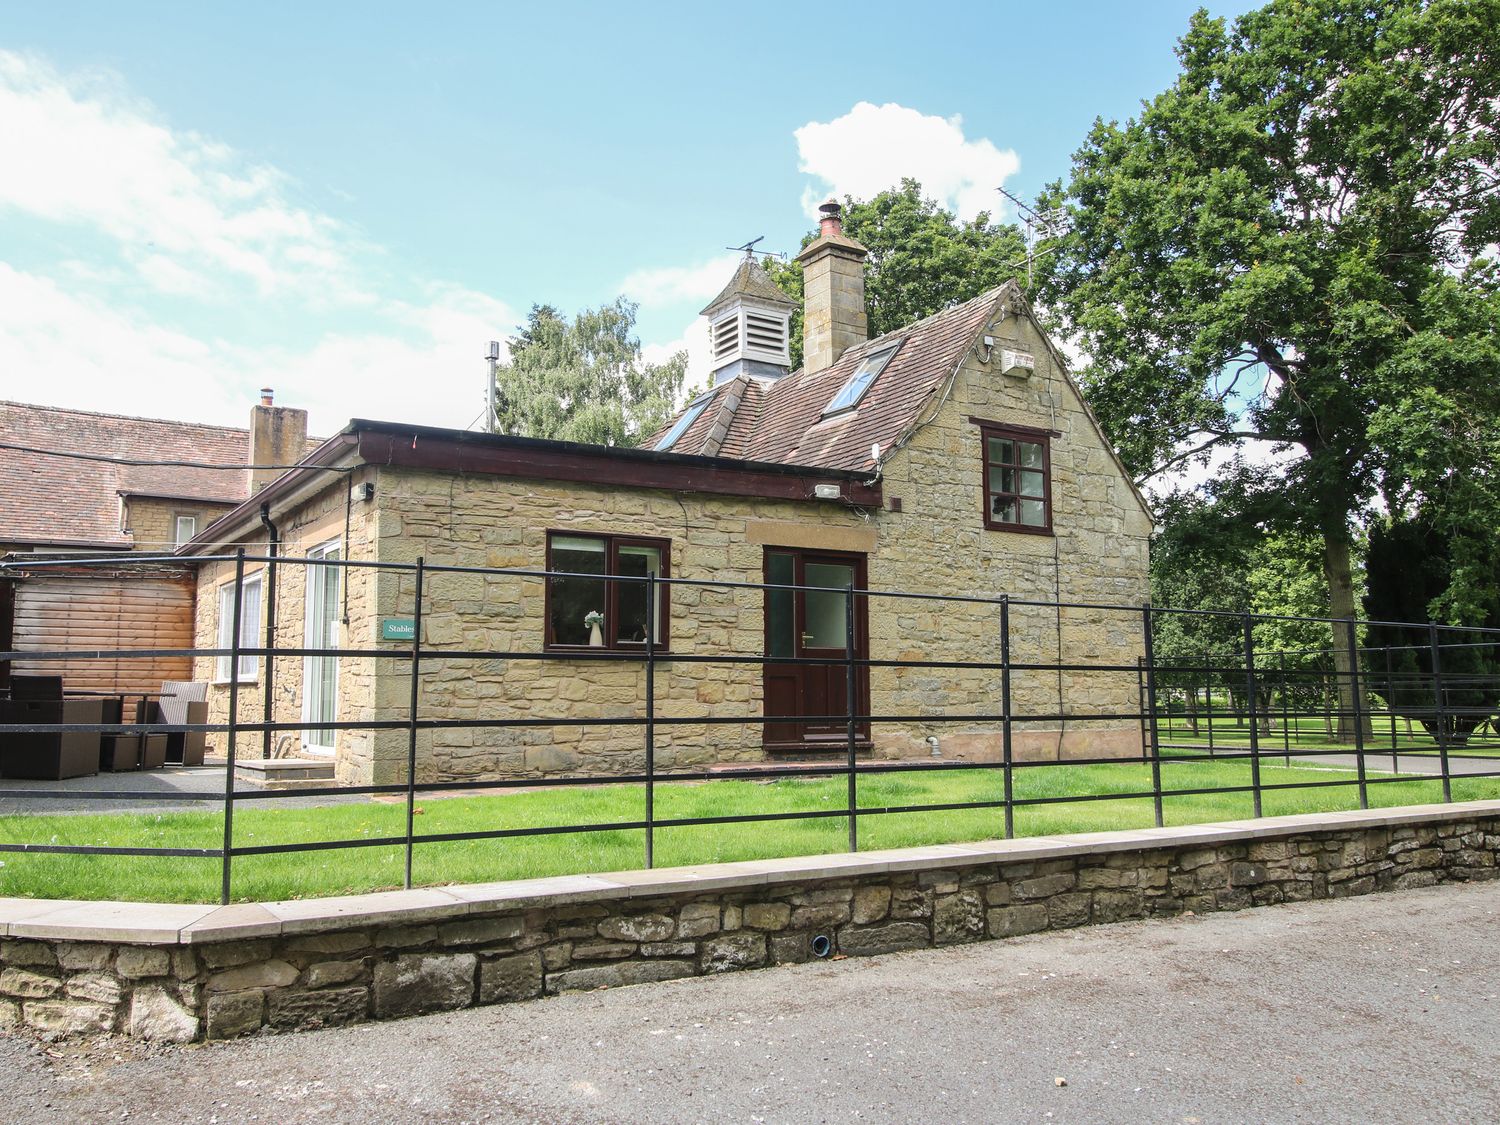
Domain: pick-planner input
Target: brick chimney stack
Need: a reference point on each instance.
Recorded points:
(833, 286)
(278, 436)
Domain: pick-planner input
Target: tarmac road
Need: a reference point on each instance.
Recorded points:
(1384, 1008)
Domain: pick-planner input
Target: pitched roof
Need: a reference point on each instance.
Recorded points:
(63, 500)
(782, 421)
(750, 280)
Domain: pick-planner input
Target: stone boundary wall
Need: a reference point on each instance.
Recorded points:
(180, 973)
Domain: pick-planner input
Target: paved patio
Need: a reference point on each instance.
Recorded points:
(207, 781)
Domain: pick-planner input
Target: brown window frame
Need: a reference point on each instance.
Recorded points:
(1009, 432)
(613, 543)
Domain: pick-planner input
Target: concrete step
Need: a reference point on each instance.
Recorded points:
(285, 773)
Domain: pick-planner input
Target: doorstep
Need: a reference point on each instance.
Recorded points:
(286, 773)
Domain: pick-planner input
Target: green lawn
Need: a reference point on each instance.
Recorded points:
(348, 870)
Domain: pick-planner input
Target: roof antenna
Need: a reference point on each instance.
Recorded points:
(1051, 224)
(749, 248)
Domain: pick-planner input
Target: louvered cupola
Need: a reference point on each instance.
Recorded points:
(749, 326)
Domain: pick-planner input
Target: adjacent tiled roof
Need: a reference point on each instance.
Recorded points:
(781, 421)
(60, 500)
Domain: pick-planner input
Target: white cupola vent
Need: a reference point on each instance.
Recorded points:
(749, 326)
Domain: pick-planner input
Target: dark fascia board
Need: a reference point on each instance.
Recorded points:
(461, 451)
(130, 493)
(420, 447)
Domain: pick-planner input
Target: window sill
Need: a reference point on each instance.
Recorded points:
(638, 651)
(252, 682)
(1019, 529)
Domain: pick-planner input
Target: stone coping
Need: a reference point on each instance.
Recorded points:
(149, 923)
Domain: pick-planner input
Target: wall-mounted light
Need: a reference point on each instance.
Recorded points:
(827, 491)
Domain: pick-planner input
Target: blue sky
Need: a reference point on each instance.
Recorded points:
(347, 201)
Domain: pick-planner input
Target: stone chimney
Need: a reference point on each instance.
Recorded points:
(278, 436)
(833, 286)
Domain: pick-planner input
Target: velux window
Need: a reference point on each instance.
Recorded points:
(680, 427)
(249, 629)
(1017, 479)
(851, 392)
(586, 609)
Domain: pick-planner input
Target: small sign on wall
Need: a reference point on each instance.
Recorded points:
(396, 629)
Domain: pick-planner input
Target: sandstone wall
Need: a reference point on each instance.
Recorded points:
(152, 521)
(313, 524)
(370, 959)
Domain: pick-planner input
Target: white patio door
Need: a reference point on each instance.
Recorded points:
(320, 674)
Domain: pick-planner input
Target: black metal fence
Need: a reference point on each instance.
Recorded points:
(1243, 705)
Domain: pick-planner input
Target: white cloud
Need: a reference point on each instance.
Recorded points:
(670, 285)
(694, 341)
(872, 147)
(185, 230)
(79, 351)
(81, 152)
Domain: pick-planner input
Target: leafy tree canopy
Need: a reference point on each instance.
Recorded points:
(1288, 246)
(584, 379)
(922, 260)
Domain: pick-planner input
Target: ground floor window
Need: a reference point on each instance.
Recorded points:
(586, 609)
(320, 673)
(249, 629)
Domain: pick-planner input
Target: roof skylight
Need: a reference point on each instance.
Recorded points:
(680, 427)
(854, 390)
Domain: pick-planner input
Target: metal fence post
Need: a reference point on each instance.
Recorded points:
(1390, 706)
(1356, 691)
(1286, 714)
(1140, 697)
(1252, 703)
(1151, 712)
(232, 734)
(1208, 700)
(1440, 711)
(411, 718)
(650, 720)
(853, 707)
(1006, 747)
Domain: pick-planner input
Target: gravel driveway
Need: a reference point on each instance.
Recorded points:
(1385, 1008)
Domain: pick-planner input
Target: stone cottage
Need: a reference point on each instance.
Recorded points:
(955, 456)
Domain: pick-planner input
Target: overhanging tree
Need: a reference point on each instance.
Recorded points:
(584, 379)
(1252, 258)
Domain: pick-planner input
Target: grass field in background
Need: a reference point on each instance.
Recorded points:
(1311, 733)
(351, 870)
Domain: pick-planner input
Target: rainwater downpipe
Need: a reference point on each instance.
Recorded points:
(273, 540)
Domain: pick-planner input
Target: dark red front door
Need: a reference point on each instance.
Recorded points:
(811, 701)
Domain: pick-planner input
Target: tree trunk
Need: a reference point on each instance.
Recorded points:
(1339, 573)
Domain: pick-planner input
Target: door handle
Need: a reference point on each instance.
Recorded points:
(806, 637)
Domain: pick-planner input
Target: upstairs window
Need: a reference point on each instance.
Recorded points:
(186, 527)
(680, 427)
(1017, 479)
(581, 601)
(864, 375)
